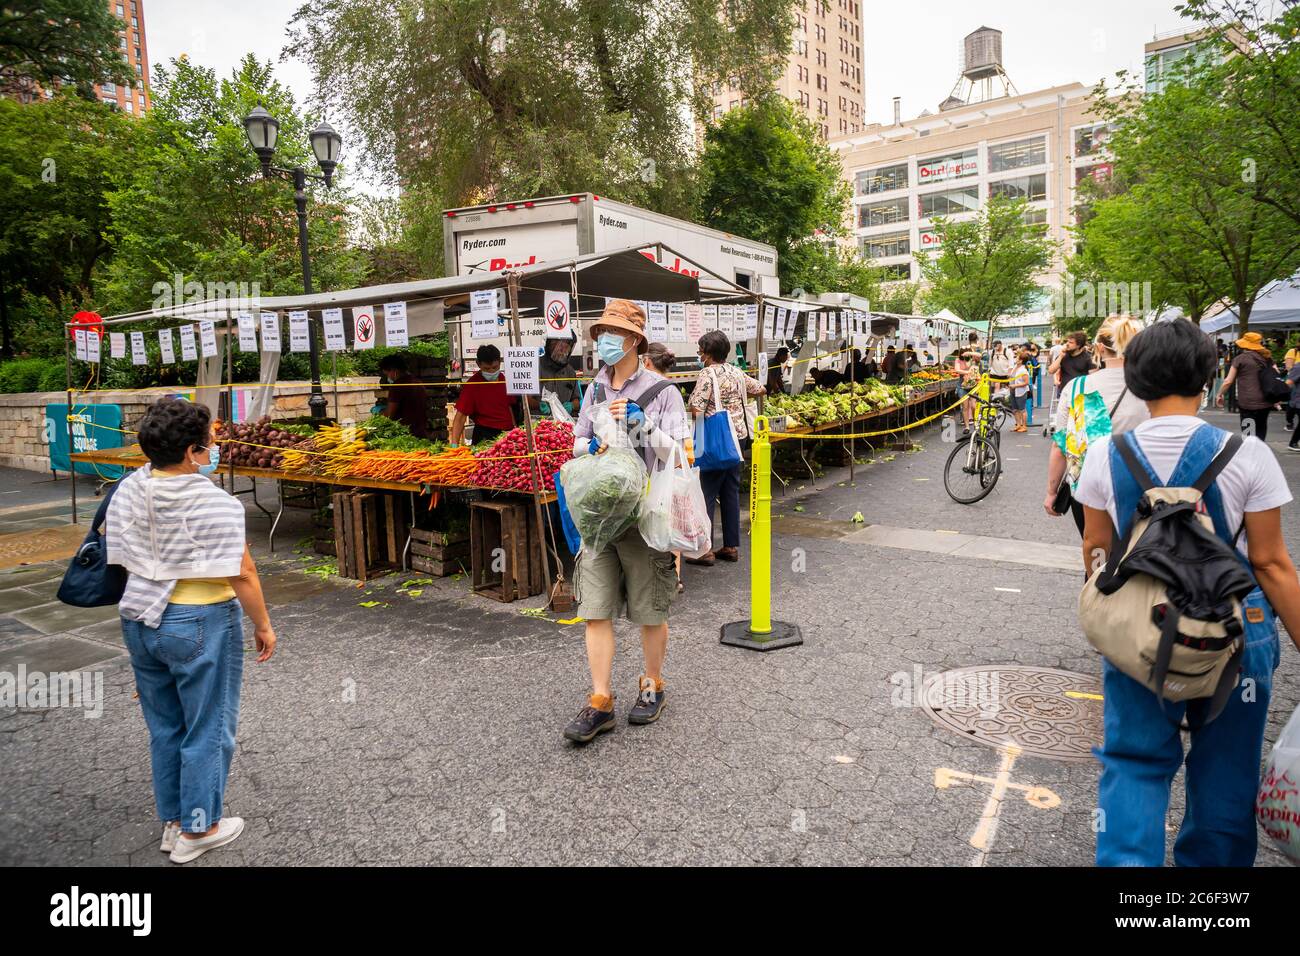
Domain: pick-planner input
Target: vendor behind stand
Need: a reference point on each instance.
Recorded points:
(408, 400)
(557, 376)
(483, 400)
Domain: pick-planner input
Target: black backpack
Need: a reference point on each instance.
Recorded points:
(1272, 386)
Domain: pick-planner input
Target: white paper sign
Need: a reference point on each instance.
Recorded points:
(694, 321)
(555, 313)
(117, 345)
(189, 351)
(335, 339)
(79, 348)
(208, 338)
(710, 318)
(762, 368)
(247, 332)
(751, 320)
(299, 335)
(781, 324)
(483, 314)
(270, 332)
(677, 322)
(521, 368)
(395, 328)
(167, 346)
(363, 327)
(138, 356)
(658, 321)
(92, 346)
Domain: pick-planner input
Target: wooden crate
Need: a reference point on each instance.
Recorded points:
(439, 568)
(508, 530)
(369, 533)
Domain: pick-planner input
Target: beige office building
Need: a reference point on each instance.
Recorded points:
(824, 72)
(1033, 146)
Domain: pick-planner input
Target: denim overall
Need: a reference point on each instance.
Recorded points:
(1143, 748)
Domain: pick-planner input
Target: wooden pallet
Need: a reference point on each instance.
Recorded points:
(505, 550)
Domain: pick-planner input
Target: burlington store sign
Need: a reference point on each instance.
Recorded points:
(946, 167)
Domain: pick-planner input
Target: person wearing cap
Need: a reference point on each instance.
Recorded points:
(557, 375)
(627, 572)
(1244, 372)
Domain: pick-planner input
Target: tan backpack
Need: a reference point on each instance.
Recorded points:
(1166, 609)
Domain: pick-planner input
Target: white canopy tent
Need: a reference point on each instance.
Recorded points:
(1277, 308)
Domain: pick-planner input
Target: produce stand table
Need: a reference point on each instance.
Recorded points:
(801, 433)
(132, 457)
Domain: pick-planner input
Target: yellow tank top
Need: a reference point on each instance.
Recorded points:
(200, 590)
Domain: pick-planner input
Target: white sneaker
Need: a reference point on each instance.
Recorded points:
(170, 833)
(227, 830)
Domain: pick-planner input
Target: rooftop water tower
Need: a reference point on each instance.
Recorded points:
(981, 70)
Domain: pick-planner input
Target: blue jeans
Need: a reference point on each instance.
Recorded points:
(1142, 751)
(188, 672)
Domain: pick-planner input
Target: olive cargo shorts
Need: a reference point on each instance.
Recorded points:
(627, 571)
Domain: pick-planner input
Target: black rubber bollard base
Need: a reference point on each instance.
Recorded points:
(738, 634)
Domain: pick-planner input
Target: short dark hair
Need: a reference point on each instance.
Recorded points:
(715, 345)
(487, 355)
(1169, 358)
(973, 337)
(782, 354)
(395, 361)
(1079, 337)
(170, 428)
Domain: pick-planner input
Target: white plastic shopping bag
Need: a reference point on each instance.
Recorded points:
(657, 507)
(692, 534)
(1278, 805)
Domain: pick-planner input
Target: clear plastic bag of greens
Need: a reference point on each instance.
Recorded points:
(603, 493)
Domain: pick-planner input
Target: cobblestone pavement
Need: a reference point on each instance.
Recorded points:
(427, 730)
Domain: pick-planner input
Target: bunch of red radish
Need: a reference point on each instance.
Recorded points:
(506, 464)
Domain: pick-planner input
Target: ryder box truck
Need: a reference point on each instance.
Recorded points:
(508, 235)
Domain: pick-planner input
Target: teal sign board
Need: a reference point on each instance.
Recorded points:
(94, 427)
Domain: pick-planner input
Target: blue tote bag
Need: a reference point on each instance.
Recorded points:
(716, 448)
(571, 536)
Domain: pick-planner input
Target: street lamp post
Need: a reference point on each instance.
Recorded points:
(263, 130)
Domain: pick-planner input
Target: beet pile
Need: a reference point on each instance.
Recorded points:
(506, 466)
(254, 444)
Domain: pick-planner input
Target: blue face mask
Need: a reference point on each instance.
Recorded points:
(610, 348)
(214, 459)
(490, 376)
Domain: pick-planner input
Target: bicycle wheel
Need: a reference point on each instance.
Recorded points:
(972, 470)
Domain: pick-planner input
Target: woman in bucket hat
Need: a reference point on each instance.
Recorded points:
(1244, 372)
(626, 574)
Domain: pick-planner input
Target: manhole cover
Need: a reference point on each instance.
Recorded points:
(1043, 712)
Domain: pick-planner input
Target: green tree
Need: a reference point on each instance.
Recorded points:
(481, 99)
(192, 201)
(986, 267)
(46, 43)
(57, 159)
(1132, 238)
(766, 174)
(1259, 80)
(1186, 156)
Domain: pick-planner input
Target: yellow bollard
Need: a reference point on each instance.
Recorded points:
(760, 632)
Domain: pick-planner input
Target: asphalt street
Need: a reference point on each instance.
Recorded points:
(426, 729)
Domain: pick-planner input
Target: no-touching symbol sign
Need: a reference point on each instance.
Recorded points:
(363, 327)
(557, 315)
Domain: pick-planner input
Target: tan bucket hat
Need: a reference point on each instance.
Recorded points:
(622, 314)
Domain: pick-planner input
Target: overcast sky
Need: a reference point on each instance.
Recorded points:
(910, 49)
